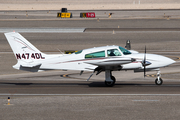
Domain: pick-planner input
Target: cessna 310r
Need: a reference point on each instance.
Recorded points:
(107, 58)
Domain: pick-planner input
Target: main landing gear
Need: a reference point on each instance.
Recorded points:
(109, 79)
(158, 80)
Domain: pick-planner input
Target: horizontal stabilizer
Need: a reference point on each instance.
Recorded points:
(30, 65)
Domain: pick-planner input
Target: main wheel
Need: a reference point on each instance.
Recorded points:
(111, 84)
(158, 82)
(113, 78)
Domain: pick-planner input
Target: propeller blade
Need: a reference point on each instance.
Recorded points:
(145, 55)
(144, 71)
(144, 62)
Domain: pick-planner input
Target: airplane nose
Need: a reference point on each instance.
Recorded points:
(171, 61)
(159, 61)
(167, 61)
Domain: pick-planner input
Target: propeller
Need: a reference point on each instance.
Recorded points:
(145, 63)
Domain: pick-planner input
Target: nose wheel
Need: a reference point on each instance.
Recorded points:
(158, 80)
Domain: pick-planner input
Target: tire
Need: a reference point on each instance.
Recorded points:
(158, 82)
(111, 84)
(113, 78)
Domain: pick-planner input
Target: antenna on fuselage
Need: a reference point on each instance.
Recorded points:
(60, 51)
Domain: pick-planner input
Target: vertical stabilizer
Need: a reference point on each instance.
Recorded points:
(19, 44)
(26, 54)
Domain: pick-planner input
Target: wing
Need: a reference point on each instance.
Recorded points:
(111, 61)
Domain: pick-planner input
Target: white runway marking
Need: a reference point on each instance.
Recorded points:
(146, 100)
(89, 94)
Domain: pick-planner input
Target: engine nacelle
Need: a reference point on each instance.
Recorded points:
(133, 65)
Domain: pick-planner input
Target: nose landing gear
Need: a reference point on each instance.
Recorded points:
(158, 80)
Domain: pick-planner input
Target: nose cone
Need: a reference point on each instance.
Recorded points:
(159, 61)
(167, 61)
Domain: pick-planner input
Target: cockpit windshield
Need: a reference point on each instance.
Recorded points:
(124, 51)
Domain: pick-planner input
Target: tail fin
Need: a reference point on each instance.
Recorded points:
(26, 54)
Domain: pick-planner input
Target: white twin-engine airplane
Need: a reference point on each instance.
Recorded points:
(107, 58)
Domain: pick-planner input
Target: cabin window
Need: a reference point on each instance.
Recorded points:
(124, 51)
(95, 54)
(113, 52)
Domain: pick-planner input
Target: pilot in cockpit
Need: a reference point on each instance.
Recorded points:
(112, 53)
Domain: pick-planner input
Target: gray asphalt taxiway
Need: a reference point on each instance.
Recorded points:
(66, 94)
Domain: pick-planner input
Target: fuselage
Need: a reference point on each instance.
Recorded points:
(89, 59)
